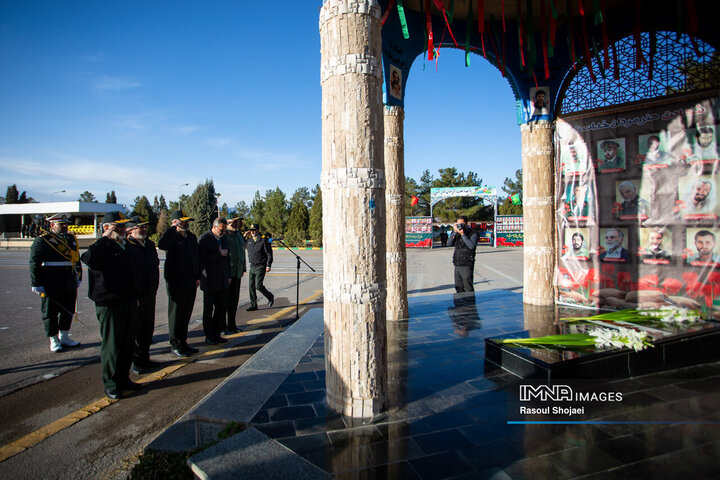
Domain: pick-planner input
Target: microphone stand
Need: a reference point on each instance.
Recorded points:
(297, 276)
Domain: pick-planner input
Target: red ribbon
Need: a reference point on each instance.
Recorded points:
(482, 41)
(536, 84)
(521, 26)
(439, 5)
(389, 7)
(606, 43)
(481, 17)
(582, 10)
(428, 20)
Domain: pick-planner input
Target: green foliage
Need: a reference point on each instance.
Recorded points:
(302, 194)
(143, 209)
(275, 213)
(163, 222)
(87, 197)
(315, 227)
(224, 211)
(202, 207)
(242, 210)
(411, 188)
(110, 197)
(257, 210)
(12, 195)
(297, 225)
(180, 204)
(511, 187)
(159, 204)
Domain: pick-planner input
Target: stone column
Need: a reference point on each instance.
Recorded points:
(538, 213)
(397, 302)
(353, 185)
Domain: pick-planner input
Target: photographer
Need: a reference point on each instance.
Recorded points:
(465, 240)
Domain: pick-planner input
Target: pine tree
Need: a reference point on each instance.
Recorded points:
(275, 212)
(143, 209)
(511, 187)
(163, 222)
(315, 226)
(86, 196)
(297, 224)
(257, 210)
(110, 197)
(242, 210)
(12, 194)
(202, 206)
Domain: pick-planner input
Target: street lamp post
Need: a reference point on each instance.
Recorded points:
(53, 194)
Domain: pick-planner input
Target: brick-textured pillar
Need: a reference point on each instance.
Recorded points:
(538, 213)
(353, 185)
(397, 302)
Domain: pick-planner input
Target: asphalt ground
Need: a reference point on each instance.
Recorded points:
(54, 419)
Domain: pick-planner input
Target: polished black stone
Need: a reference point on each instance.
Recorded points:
(448, 412)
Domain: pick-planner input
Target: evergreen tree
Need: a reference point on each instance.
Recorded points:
(242, 210)
(163, 222)
(302, 194)
(257, 210)
(110, 197)
(297, 224)
(180, 204)
(202, 206)
(143, 209)
(423, 194)
(275, 212)
(87, 197)
(411, 190)
(315, 227)
(224, 210)
(12, 194)
(512, 187)
(159, 204)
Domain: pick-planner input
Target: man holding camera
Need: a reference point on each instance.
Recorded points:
(465, 240)
(260, 255)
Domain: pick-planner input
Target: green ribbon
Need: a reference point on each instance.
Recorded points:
(403, 20)
(468, 26)
(598, 12)
(451, 13)
(553, 9)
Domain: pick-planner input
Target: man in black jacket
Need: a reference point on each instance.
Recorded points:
(111, 286)
(465, 240)
(214, 279)
(182, 276)
(260, 256)
(55, 274)
(145, 256)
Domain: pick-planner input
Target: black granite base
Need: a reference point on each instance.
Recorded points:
(689, 346)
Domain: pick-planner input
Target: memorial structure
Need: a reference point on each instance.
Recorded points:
(609, 94)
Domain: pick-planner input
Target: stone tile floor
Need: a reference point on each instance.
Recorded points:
(449, 416)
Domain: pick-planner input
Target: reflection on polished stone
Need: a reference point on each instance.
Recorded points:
(448, 415)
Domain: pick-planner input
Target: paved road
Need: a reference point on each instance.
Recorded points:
(37, 387)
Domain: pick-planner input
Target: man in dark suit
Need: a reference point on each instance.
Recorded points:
(144, 253)
(213, 250)
(182, 276)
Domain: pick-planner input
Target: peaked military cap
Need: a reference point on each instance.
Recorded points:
(609, 143)
(136, 221)
(115, 217)
(59, 218)
(254, 226)
(180, 215)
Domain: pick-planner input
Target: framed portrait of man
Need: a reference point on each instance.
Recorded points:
(610, 154)
(631, 202)
(655, 245)
(539, 102)
(697, 198)
(574, 158)
(701, 249)
(579, 201)
(576, 245)
(654, 151)
(703, 145)
(395, 89)
(614, 243)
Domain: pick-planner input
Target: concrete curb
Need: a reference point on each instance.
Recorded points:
(240, 396)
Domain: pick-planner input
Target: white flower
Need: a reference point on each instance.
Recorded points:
(619, 338)
(669, 314)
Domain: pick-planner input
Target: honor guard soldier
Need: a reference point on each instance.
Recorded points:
(112, 286)
(55, 275)
(144, 253)
(182, 275)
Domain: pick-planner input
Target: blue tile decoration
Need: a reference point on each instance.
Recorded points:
(449, 414)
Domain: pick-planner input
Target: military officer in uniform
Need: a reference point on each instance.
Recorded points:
(182, 276)
(111, 285)
(55, 275)
(145, 255)
(237, 268)
(260, 256)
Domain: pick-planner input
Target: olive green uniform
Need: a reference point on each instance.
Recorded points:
(55, 266)
(237, 268)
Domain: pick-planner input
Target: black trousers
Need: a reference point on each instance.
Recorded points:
(57, 311)
(257, 277)
(117, 329)
(144, 330)
(233, 299)
(181, 301)
(213, 313)
(464, 278)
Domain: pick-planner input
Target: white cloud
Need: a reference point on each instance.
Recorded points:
(218, 142)
(184, 129)
(107, 83)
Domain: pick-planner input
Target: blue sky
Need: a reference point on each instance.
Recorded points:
(143, 97)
